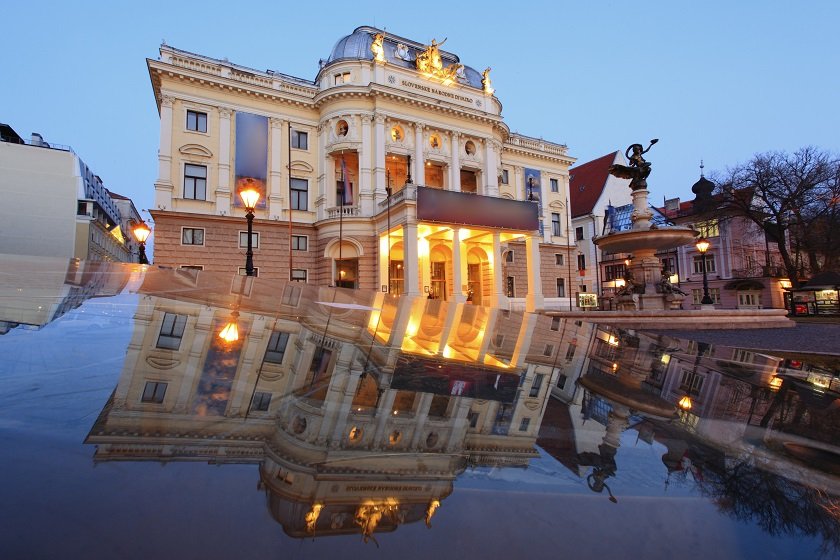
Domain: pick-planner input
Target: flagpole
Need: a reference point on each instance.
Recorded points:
(341, 217)
(388, 192)
(289, 149)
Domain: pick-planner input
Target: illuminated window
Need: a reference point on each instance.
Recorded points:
(707, 229)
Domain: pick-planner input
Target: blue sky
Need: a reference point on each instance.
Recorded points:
(713, 80)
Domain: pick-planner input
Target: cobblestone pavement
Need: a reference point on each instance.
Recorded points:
(804, 337)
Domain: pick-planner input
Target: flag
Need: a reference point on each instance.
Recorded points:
(347, 191)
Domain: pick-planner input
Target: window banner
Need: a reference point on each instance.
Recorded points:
(533, 191)
(251, 163)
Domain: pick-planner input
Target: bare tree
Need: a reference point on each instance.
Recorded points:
(794, 198)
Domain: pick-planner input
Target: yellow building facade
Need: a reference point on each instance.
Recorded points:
(392, 171)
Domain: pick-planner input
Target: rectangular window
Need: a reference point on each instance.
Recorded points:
(291, 296)
(300, 243)
(558, 259)
(548, 350)
(614, 271)
(276, 347)
(698, 263)
(707, 229)
(561, 381)
(581, 262)
(523, 425)
(243, 239)
(171, 331)
(505, 177)
(191, 267)
(300, 194)
(561, 287)
(153, 392)
(510, 287)
(555, 323)
(192, 236)
(555, 185)
(343, 78)
(697, 295)
(261, 401)
(668, 264)
(243, 272)
(196, 121)
(570, 352)
(195, 181)
(536, 385)
(555, 224)
(749, 299)
(298, 275)
(579, 233)
(300, 140)
(509, 256)
(473, 419)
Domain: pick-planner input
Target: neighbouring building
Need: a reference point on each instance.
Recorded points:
(54, 205)
(593, 192)
(393, 170)
(743, 265)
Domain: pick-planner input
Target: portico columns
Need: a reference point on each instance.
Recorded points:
(410, 260)
(455, 168)
(534, 301)
(499, 298)
(365, 186)
(459, 267)
(223, 185)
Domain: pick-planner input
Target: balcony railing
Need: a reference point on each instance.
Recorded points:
(409, 192)
(343, 212)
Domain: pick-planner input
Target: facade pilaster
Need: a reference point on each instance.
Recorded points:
(418, 172)
(491, 177)
(324, 197)
(459, 267)
(365, 183)
(223, 180)
(379, 167)
(383, 413)
(455, 168)
(275, 186)
(163, 185)
(499, 298)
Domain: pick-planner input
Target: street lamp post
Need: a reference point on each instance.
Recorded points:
(703, 246)
(250, 197)
(141, 233)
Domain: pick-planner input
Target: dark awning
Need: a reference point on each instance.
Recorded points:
(744, 284)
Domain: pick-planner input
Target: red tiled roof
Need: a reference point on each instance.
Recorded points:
(586, 183)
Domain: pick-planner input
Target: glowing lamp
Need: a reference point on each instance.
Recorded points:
(250, 197)
(230, 332)
(141, 232)
(702, 245)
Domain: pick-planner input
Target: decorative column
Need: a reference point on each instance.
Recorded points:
(163, 185)
(418, 173)
(410, 260)
(534, 301)
(326, 177)
(366, 189)
(223, 185)
(455, 168)
(379, 157)
(459, 267)
(491, 178)
(499, 298)
(275, 186)
(383, 413)
(420, 420)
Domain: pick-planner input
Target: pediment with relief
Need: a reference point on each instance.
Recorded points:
(195, 150)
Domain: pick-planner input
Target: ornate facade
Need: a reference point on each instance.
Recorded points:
(392, 171)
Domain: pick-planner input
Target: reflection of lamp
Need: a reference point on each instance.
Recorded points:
(703, 246)
(775, 383)
(230, 332)
(250, 197)
(685, 403)
(141, 233)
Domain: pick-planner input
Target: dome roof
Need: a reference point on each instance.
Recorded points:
(356, 46)
(703, 187)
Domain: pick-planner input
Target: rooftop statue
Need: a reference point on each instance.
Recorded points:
(639, 168)
(430, 62)
(378, 47)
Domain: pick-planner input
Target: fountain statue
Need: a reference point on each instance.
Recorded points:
(645, 286)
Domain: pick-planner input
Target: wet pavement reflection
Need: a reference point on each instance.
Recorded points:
(402, 425)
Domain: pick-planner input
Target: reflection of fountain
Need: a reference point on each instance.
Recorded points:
(645, 288)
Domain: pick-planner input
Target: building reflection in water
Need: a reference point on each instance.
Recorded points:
(362, 409)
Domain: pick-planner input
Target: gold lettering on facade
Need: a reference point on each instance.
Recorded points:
(436, 91)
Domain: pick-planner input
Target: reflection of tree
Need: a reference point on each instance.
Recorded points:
(776, 504)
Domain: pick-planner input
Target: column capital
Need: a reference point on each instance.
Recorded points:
(379, 118)
(419, 127)
(276, 122)
(366, 119)
(167, 101)
(225, 112)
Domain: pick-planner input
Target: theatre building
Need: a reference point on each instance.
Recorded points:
(392, 171)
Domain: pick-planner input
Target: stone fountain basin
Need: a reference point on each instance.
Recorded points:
(651, 239)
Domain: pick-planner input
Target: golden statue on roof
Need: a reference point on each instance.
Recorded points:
(429, 62)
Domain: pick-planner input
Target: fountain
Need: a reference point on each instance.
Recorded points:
(645, 287)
